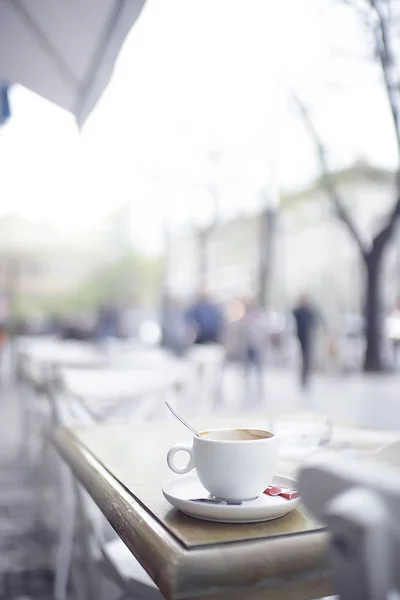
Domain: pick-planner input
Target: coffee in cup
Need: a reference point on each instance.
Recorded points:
(232, 464)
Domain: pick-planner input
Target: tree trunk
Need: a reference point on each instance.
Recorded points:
(373, 359)
(267, 232)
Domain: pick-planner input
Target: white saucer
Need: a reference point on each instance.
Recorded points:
(180, 491)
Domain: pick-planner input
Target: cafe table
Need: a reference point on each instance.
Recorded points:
(123, 467)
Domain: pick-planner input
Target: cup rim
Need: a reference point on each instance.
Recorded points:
(256, 441)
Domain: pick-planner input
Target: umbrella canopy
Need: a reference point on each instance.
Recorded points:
(64, 50)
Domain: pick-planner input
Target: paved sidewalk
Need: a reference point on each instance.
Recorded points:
(25, 566)
(360, 399)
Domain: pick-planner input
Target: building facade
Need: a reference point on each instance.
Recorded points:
(39, 262)
(311, 251)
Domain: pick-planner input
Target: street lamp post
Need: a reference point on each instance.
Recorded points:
(267, 245)
(165, 267)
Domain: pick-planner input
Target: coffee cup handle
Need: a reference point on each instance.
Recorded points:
(171, 454)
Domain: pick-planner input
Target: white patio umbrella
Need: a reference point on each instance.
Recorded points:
(64, 50)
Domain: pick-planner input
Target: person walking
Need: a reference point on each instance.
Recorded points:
(174, 327)
(107, 323)
(205, 320)
(254, 335)
(393, 333)
(206, 330)
(306, 318)
(130, 317)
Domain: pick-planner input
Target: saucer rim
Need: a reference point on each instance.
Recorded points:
(229, 514)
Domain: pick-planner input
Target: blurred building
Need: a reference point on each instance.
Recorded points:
(319, 254)
(232, 257)
(37, 260)
(312, 250)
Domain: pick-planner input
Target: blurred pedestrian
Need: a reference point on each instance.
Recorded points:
(107, 325)
(393, 330)
(130, 317)
(254, 333)
(205, 320)
(73, 328)
(174, 326)
(307, 319)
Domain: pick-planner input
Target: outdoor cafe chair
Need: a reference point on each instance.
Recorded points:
(69, 408)
(120, 393)
(110, 556)
(39, 362)
(36, 359)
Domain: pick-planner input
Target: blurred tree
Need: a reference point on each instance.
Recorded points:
(380, 20)
(120, 280)
(116, 281)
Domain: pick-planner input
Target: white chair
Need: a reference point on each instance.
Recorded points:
(68, 393)
(115, 394)
(37, 357)
(114, 560)
(30, 386)
(359, 500)
(82, 389)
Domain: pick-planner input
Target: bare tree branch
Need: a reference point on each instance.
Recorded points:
(380, 23)
(361, 8)
(388, 65)
(386, 232)
(391, 80)
(326, 178)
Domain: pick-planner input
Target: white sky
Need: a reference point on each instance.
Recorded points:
(195, 75)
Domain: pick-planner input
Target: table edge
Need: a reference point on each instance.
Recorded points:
(181, 572)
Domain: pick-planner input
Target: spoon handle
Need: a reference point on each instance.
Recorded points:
(218, 502)
(182, 420)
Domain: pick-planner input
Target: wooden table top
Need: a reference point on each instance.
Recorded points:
(124, 467)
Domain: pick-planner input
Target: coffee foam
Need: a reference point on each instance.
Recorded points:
(236, 435)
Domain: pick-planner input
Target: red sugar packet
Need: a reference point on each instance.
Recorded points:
(288, 494)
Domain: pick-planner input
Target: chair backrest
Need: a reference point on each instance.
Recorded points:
(62, 352)
(30, 373)
(71, 409)
(121, 393)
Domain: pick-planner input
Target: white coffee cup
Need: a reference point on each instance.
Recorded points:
(232, 464)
